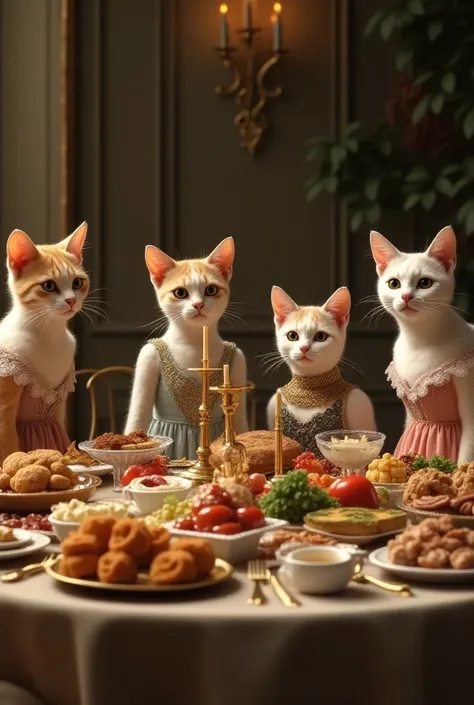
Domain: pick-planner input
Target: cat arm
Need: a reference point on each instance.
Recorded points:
(145, 382)
(10, 394)
(60, 413)
(271, 413)
(239, 377)
(464, 387)
(360, 412)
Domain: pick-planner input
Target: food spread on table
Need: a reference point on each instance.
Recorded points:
(74, 456)
(260, 447)
(30, 522)
(387, 469)
(77, 511)
(356, 521)
(137, 440)
(436, 544)
(36, 471)
(7, 535)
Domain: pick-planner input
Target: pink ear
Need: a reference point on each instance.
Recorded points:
(223, 257)
(282, 305)
(382, 250)
(20, 250)
(443, 248)
(75, 242)
(158, 263)
(339, 305)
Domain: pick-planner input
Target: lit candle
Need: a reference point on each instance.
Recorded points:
(278, 405)
(247, 14)
(227, 375)
(205, 343)
(224, 40)
(277, 27)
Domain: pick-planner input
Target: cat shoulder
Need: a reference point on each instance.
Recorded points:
(148, 359)
(360, 411)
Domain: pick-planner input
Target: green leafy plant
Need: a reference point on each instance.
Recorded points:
(422, 157)
(292, 497)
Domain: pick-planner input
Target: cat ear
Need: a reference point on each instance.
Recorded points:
(223, 257)
(382, 250)
(443, 248)
(74, 243)
(339, 306)
(282, 305)
(20, 251)
(158, 263)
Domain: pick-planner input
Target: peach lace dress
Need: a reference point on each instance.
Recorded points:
(36, 425)
(435, 428)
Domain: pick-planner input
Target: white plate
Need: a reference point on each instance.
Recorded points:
(22, 538)
(357, 540)
(37, 541)
(97, 470)
(380, 559)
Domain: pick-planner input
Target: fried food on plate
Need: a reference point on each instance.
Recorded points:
(79, 544)
(14, 462)
(4, 481)
(130, 536)
(32, 478)
(173, 567)
(84, 566)
(201, 551)
(116, 567)
(100, 527)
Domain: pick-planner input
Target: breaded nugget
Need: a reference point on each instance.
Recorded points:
(44, 457)
(79, 544)
(32, 478)
(202, 552)
(84, 566)
(173, 567)
(117, 567)
(160, 541)
(4, 481)
(60, 468)
(14, 462)
(100, 527)
(130, 536)
(59, 482)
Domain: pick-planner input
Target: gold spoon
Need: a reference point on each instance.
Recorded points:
(398, 588)
(15, 575)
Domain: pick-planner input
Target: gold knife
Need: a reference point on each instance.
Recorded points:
(281, 592)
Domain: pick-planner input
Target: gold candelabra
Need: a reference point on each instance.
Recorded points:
(278, 438)
(202, 471)
(249, 81)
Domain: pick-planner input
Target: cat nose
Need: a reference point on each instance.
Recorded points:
(71, 301)
(198, 305)
(304, 348)
(407, 297)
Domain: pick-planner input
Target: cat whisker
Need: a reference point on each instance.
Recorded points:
(373, 298)
(351, 365)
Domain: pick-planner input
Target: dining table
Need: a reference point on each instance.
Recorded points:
(67, 645)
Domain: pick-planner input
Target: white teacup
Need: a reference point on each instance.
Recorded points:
(319, 570)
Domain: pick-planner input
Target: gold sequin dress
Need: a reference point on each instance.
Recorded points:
(177, 401)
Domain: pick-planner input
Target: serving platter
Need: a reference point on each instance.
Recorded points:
(380, 559)
(353, 540)
(40, 501)
(417, 515)
(36, 542)
(221, 571)
(94, 470)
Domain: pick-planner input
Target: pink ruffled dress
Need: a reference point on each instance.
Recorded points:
(435, 428)
(36, 425)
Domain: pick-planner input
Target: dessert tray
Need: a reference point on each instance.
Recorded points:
(379, 558)
(38, 501)
(221, 571)
(353, 540)
(30, 542)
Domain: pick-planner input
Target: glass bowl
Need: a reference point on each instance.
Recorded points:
(122, 459)
(351, 451)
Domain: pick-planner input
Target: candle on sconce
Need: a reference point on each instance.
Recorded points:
(248, 7)
(277, 27)
(226, 375)
(278, 405)
(205, 343)
(224, 34)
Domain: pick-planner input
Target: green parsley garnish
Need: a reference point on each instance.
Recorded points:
(293, 497)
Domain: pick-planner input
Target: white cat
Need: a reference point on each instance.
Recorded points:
(191, 294)
(311, 340)
(433, 356)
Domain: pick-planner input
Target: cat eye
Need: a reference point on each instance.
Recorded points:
(320, 336)
(425, 283)
(211, 290)
(393, 283)
(181, 293)
(293, 336)
(49, 286)
(77, 283)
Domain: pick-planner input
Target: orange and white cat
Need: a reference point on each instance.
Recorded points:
(47, 285)
(166, 395)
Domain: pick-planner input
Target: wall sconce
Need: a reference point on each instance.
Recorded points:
(248, 84)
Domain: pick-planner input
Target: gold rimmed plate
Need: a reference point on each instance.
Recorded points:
(221, 571)
(42, 501)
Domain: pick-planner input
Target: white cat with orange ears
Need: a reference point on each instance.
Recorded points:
(311, 340)
(166, 396)
(433, 357)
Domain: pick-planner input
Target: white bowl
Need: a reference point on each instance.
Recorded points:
(150, 499)
(319, 570)
(395, 493)
(235, 548)
(336, 447)
(63, 528)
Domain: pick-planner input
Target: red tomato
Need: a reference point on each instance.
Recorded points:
(209, 517)
(130, 474)
(154, 481)
(184, 523)
(355, 491)
(231, 527)
(156, 467)
(210, 495)
(257, 482)
(250, 517)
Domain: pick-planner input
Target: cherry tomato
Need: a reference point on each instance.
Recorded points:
(210, 495)
(184, 523)
(257, 482)
(250, 517)
(228, 529)
(355, 491)
(154, 481)
(209, 517)
(158, 466)
(130, 474)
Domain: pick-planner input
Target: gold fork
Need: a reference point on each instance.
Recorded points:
(397, 588)
(256, 571)
(15, 575)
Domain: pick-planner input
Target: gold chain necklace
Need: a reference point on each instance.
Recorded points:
(317, 391)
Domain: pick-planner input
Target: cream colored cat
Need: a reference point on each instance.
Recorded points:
(311, 340)
(166, 396)
(47, 285)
